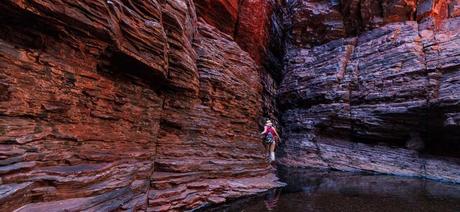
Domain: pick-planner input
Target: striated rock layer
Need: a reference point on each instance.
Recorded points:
(385, 101)
(156, 105)
(125, 105)
(257, 27)
(315, 22)
(214, 137)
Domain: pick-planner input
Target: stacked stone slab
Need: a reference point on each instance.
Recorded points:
(125, 105)
(384, 101)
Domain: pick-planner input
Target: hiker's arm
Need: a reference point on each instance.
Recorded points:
(265, 130)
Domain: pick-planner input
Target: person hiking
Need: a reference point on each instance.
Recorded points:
(270, 136)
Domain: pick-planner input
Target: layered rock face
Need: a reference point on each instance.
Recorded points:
(316, 22)
(209, 150)
(386, 100)
(156, 105)
(126, 105)
(256, 26)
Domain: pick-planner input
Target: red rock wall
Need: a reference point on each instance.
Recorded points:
(385, 100)
(109, 105)
(259, 32)
(222, 14)
(156, 105)
(256, 25)
(211, 144)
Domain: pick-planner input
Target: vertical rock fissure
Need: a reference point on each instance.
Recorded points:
(238, 19)
(430, 94)
(353, 81)
(414, 14)
(320, 154)
(428, 32)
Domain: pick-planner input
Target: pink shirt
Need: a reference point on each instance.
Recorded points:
(270, 130)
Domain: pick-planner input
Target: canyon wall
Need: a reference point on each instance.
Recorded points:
(132, 105)
(373, 86)
(256, 25)
(156, 105)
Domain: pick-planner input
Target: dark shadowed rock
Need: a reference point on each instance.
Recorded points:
(222, 14)
(392, 86)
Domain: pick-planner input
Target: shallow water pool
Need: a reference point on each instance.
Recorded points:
(323, 190)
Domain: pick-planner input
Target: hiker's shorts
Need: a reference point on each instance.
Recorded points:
(269, 139)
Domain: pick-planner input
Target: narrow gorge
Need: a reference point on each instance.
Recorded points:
(158, 105)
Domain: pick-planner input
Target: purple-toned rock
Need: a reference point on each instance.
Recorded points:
(392, 86)
(314, 22)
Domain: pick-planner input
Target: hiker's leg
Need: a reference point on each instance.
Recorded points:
(272, 151)
(272, 147)
(267, 151)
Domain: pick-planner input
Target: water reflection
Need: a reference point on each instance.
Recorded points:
(271, 199)
(322, 190)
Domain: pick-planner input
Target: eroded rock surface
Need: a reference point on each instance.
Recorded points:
(125, 105)
(310, 22)
(386, 100)
(216, 133)
(156, 105)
